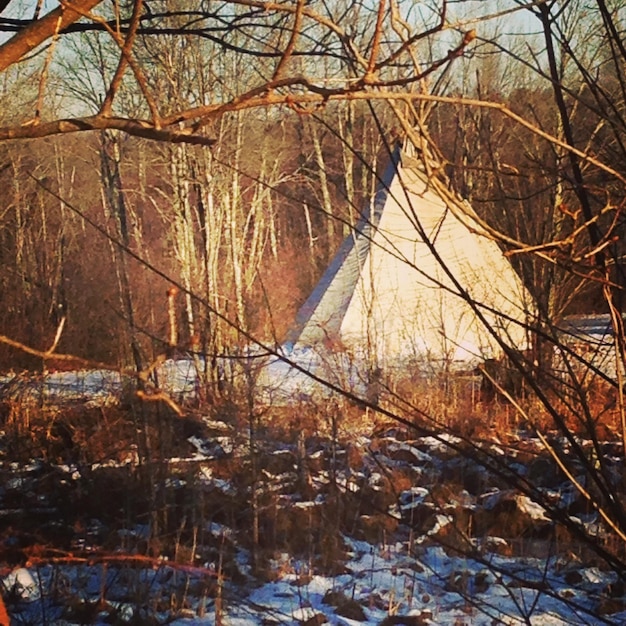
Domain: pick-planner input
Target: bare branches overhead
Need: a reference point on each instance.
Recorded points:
(295, 54)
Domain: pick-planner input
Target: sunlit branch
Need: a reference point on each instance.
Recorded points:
(47, 355)
(126, 47)
(127, 58)
(295, 33)
(34, 34)
(138, 128)
(267, 96)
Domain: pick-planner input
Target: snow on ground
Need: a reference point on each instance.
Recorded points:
(379, 581)
(174, 376)
(407, 575)
(276, 380)
(280, 382)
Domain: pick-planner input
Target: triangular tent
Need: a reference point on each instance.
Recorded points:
(414, 283)
(390, 290)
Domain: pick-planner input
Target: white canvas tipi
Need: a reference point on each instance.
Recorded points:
(416, 283)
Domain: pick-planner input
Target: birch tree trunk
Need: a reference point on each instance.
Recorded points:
(115, 207)
(211, 221)
(345, 127)
(184, 230)
(327, 203)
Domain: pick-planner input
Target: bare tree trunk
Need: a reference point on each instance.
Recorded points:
(346, 128)
(236, 232)
(327, 203)
(115, 206)
(184, 229)
(210, 219)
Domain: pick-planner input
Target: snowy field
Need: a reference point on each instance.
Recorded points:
(380, 583)
(177, 377)
(413, 573)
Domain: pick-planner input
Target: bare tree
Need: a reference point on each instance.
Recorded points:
(246, 29)
(558, 188)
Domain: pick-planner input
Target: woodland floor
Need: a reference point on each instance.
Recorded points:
(127, 515)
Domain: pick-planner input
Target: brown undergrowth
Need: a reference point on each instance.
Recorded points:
(140, 480)
(458, 404)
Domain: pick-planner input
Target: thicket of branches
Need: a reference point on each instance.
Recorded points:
(286, 156)
(230, 145)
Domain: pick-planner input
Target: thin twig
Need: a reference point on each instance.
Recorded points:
(57, 336)
(44, 73)
(160, 396)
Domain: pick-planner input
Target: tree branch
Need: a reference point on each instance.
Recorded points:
(39, 31)
(138, 128)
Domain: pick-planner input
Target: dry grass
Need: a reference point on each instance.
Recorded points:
(144, 488)
(456, 404)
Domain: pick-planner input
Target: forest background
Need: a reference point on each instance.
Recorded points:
(233, 145)
(177, 175)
